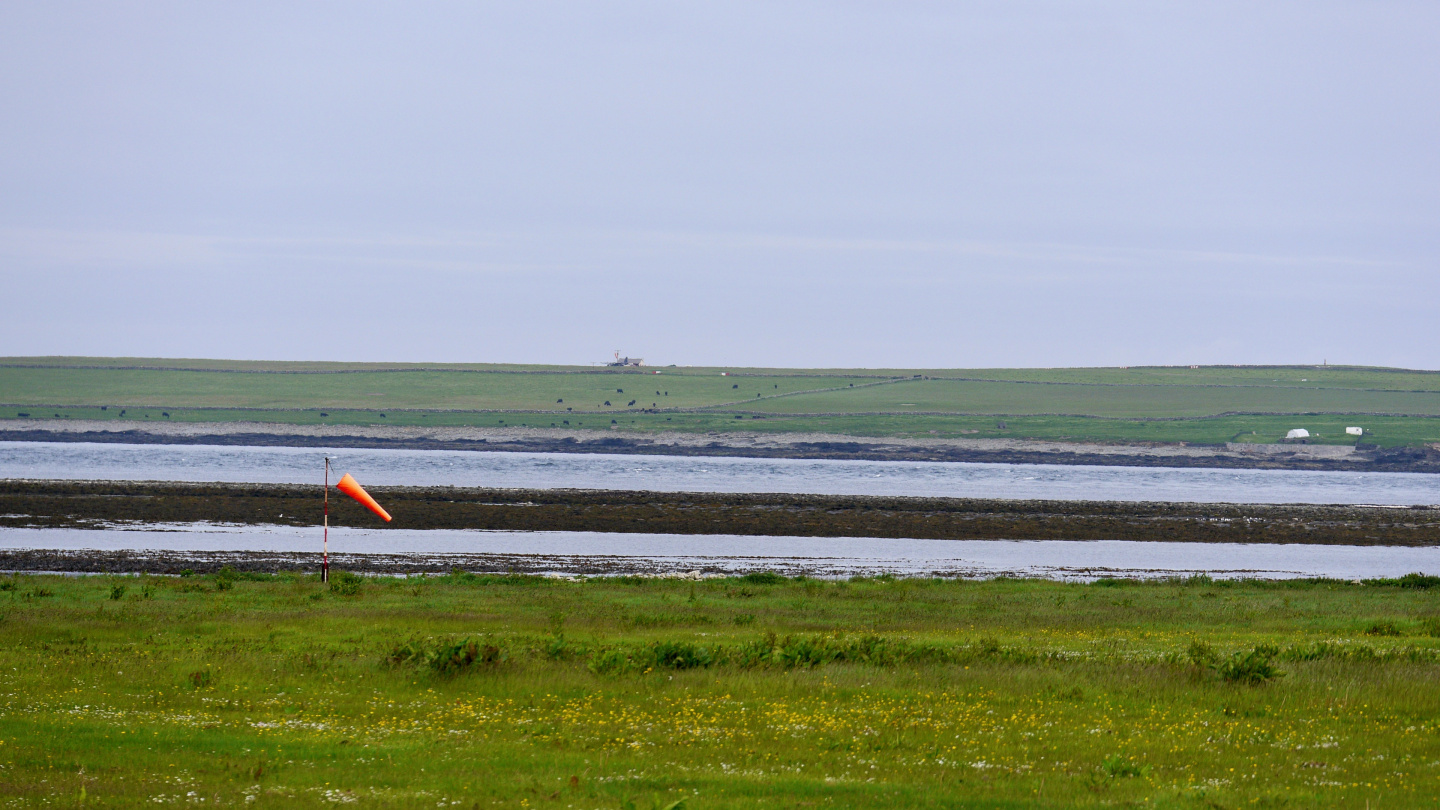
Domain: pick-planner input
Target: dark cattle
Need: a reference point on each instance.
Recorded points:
(607, 402)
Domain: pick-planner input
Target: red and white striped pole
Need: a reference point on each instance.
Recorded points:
(325, 564)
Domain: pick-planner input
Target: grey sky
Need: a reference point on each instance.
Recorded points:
(806, 184)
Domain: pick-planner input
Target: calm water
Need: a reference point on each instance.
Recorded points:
(689, 474)
(818, 556)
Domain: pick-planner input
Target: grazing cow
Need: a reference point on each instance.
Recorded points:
(630, 404)
(607, 402)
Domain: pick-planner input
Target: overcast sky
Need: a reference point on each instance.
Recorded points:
(784, 184)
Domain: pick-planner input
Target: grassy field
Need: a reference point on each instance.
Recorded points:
(1210, 404)
(751, 692)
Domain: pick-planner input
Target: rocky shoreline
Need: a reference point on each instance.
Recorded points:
(744, 444)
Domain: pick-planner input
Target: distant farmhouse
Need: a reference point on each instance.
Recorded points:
(626, 361)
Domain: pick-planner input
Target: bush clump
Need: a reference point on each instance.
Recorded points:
(1383, 627)
(1251, 668)
(669, 655)
(446, 657)
(344, 583)
(763, 578)
(1118, 767)
(1419, 581)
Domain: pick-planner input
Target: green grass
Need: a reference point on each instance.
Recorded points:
(1211, 404)
(748, 692)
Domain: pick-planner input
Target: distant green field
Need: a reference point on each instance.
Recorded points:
(1161, 404)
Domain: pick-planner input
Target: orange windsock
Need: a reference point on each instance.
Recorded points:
(351, 487)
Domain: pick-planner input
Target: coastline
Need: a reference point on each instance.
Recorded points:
(1424, 459)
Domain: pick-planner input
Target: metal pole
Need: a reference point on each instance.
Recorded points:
(325, 565)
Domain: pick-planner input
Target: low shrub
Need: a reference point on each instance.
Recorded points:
(807, 652)
(763, 578)
(445, 657)
(558, 648)
(344, 583)
(1202, 655)
(1251, 668)
(461, 577)
(1329, 650)
(609, 661)
(1118, 767)
(675, 655)
(1419, 581)
(656, 655)
(117, 591)
(1383, 627)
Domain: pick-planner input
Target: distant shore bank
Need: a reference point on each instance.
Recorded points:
(798, 445)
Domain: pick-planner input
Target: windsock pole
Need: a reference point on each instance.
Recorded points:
(325, 564)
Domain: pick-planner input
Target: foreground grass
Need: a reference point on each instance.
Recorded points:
(760, 691)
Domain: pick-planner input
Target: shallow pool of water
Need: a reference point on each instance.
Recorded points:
(565, 552)
(691, 474)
